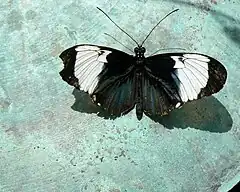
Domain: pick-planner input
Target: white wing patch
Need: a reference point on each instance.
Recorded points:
(191, 75)
(89, 63)
(178, 63)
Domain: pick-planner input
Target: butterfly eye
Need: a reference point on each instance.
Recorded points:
(143, 49)
(136, 49)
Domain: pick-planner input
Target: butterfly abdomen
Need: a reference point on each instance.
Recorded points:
(139, 98)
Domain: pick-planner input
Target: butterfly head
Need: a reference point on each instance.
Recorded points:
(139, 51)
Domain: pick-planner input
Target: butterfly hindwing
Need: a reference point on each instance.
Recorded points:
(117, 97)
(194, 75)
(159, 95)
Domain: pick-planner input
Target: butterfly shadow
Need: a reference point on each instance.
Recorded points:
(84, 104)
(206, 114)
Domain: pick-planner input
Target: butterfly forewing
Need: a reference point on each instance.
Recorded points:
(194, 75)
(83, 65)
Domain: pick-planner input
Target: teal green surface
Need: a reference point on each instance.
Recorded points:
(51, 142)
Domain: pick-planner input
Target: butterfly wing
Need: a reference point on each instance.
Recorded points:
(105, 73)
(160, 95)
(118, 97)
(176, 78)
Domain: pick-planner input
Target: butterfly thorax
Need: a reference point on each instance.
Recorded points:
(139, 55)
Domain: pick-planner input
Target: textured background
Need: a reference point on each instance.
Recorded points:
(51, 137)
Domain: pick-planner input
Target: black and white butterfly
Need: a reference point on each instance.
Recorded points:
(154, 85)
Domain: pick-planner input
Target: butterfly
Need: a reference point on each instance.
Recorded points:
(119, 82)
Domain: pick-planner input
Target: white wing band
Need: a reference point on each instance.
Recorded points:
(89, 63)
(191, 75)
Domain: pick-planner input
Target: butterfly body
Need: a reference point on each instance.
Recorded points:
(154, 85)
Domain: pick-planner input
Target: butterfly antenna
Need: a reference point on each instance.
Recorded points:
(157, 25)
(118, 26)
(118, 41)
(167, 49)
